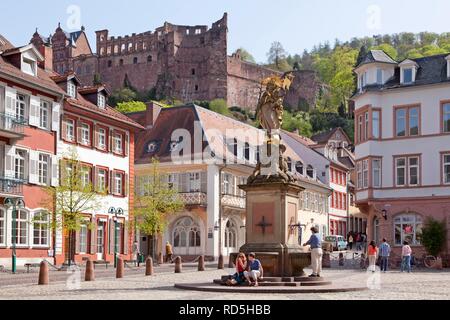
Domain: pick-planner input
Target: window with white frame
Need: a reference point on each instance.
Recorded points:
(446, 168)
(359, 175)
(21, 102)
(101, 101)
(101, 180)
(41, 229)
(85, 176)
(71, 89)
(407, 75)
(44, 112)
(376, 124)
(172, 181)
(19, 164)
(70, 130)
(379, 76)
(20, 230)
(247, 151)
(2, 227)
(400, 118)
(376, 173)
(310, 171)
(365, 169)
(43, 168)
(85, 134)
(118, 184)
(446, 117)
(83, 238)
(228, 184)
(194, 182)
(29, 66)
(101, 134)
(400, 171)
(118, 143)
(360, 128)
(408, 227)
(413, 171)
(366, 126)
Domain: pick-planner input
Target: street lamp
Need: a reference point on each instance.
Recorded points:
(116, 212)
(14, 204)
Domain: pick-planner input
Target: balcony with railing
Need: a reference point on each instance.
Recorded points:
(11, 126)
(194, 198)
(233, 201)
(11, 187)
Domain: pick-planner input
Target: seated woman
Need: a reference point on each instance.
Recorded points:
(241, 265)
(255, 270)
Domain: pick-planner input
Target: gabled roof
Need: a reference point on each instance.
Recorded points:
(58, 78)
(5, 44)
(377, 56)
(22, 49)
(93, 89)
(324, 137)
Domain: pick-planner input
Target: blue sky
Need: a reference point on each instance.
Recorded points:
(253, 24)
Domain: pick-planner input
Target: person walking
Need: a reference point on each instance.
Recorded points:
(316, 252)
(358, 241)
(406, 257)
(169, 252)
(385, 253)
(372, 252)
(350, 241)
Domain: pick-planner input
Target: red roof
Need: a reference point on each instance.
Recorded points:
(108, 112)
(301, 139)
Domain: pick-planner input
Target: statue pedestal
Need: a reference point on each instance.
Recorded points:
(272, 211)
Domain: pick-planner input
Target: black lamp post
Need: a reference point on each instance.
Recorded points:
(384, 214)
(116, 212)
(14, 204)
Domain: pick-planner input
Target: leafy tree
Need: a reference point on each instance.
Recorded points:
(132, 106)
(434, 236)
(71, 200)
(156, 201)
(300, 121)
(390, 50)
(246, 56)
(97, 79)
(277, 55)
(219, 106)
(122, 95)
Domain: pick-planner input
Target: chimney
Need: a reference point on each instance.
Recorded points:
(151, 115)
(47, 52)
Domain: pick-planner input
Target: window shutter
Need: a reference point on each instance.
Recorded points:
(126, 144)
(126, 238)
(79, 132)
(11, 96)
(184, 183)
(204, 182)
(10, 152)
(95, 138)
(110, 138)
(35, 104)
(126, 183)
(111, 236)
(93, 237)
(95, 179)
(55, 172)
(77, 243)
(63, 129)
(33, 167)
(56, 110)
(111, 182)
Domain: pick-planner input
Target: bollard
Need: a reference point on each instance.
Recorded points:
(89, 275)
(220, 265)
(178, 265)
(326, 261)
(160, 258)
(120, 268)
(149, 266)
(201, 263)
(43, 273)
(341, 259)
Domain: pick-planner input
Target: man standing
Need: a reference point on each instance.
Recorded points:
(316, 252)
(385, 252)
(255, 270)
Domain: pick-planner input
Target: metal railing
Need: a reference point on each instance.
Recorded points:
(194, 198)
(11, 123)
(11, 186)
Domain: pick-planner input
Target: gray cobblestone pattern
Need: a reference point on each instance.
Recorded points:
(394, 285)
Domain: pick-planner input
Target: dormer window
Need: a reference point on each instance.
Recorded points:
(71, 89)
(379, 76)
(101, 101)
(408, 75)
(29, 66)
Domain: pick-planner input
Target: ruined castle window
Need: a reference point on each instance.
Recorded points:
(149, 59)
(121, 62)
(188, 31)
(116, 49)
(193, 72)
(196, 87)
(102, 38)
(144, 46)
(122, 48)
(109, 63)
(130, 47)
(198, 31)
(78, 70)
(135, 60)
(102, 51)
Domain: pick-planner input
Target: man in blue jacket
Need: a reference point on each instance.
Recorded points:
(316, 252)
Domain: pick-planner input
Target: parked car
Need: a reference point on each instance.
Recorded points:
(337, 243)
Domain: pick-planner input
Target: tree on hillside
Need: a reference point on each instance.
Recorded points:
(72, 199)
(131, 106)
(300, 121)
(156, 201)
(122, 95)
(246, 56)
(277, 55)
(219, 106)
(388, 49)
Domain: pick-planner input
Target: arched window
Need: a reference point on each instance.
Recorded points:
(20, 235)
(247, 151)
(116, 48)
(299, 167)
(123, 47)
(149, 59)
(408, 227)
(109, 63)
(2, 227)
(233, 147)
(41, 229)
(102, 51)
(135, 60)
(289, 164)
(310, 171)
(230, 235)
(186, 233)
